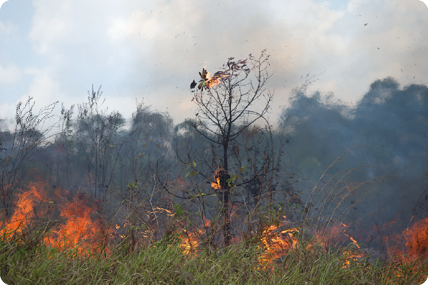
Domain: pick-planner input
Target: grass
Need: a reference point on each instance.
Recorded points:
(23, 261)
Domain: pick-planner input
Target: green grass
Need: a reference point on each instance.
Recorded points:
(29, 262)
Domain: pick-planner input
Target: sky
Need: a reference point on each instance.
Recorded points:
(150, 51)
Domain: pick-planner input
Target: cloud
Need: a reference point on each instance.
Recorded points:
(44, 89)
(174, 40)
(7, 28)
(155, 49)
(171, 41)
(9, 75)
(72, 39)
(7, 112)
(2, 2)
(60, 24)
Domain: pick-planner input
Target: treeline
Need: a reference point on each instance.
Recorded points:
(93, 151)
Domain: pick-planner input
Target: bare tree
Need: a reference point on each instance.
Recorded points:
(222, 100)
(19, 147)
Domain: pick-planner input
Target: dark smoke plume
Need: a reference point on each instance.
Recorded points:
(392, 123)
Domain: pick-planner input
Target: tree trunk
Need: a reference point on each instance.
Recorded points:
(226, 228)
(225, 191)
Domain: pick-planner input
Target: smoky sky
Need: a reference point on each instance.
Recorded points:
(151, 50)
(389, 123)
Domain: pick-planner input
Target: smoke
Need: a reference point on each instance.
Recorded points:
(391, 122)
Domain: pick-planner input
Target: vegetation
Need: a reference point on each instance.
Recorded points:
(23, 263)
(106, 201)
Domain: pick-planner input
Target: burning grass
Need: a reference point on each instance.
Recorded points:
(236, 264)
(40, 251)
(64, 240)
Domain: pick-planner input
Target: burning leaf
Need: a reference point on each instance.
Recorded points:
(207, 81)
(204, 75)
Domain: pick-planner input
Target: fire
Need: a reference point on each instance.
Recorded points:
(24, 208)
(411, 244)
(216, 185)
(81, 231)
(415, 246)
(207, 82)
(352, 256)
(78, 231)
(191, 240)
(216, 78)
(276, 244)
(417, 239)
(221, 177)
(79, 228)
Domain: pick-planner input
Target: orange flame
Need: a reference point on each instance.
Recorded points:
(216, 185)
(417, 239)
(79, 230)
(215, 79)
(190, 241)
(24, 208)
(276, 244)
(207, 82)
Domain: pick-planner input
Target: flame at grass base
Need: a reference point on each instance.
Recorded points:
(79, 230)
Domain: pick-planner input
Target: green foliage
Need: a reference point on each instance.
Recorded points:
(178, 211)
(133, 186)
(193, 173)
